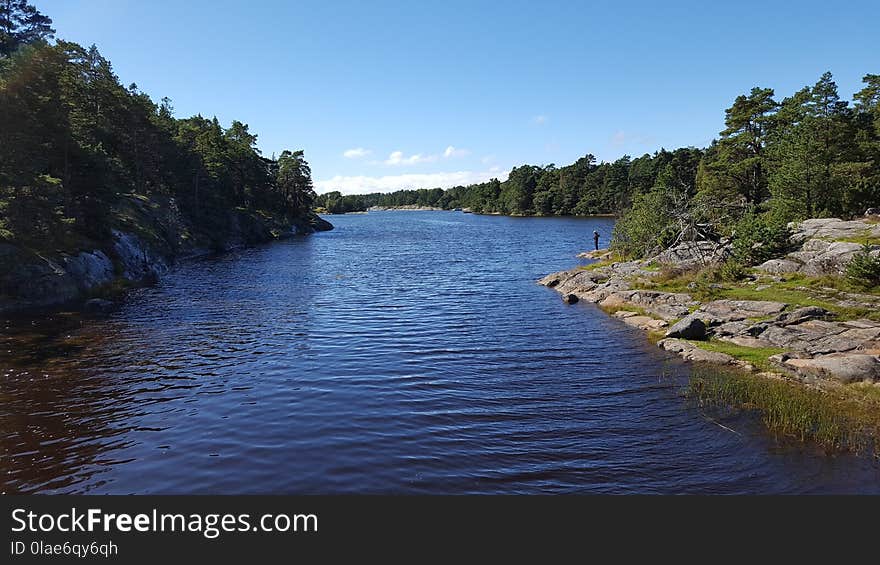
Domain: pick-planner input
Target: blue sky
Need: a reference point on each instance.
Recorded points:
(389, 95)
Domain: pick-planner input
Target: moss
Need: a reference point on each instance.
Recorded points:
(757, 356)
(843, 418)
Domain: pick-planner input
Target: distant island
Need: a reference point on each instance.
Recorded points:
(100, 186)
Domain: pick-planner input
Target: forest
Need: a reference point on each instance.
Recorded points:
(74, 141)
(811, 154)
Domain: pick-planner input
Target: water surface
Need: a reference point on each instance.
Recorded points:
(403, 352)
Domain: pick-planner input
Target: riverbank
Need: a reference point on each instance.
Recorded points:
(793, 318)
(147, 236)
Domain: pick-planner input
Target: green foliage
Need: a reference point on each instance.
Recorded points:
(75, 141)
(583, 188)
(759, 237)
(864, 269)
(636, 233)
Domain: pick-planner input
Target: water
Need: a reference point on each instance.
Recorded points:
(403, 352)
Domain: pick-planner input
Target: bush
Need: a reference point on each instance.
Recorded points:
(645, 228)
(864, 269)
(759, 237)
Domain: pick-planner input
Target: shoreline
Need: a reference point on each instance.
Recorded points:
(90, 275)
(802, 325)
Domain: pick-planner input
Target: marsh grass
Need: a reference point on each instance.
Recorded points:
(845, 419)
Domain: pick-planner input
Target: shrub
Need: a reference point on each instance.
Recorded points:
(759, 237)
(645, 228)
(864, 269)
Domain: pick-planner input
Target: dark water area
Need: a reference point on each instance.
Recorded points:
(403, 352)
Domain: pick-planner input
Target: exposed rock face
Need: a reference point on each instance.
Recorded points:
(721, 311)
(817, 348)
(138, 261)
(646, 323)
(842, 367)
(691, 352)
(689, 327)
(820, 250)
(30, 279)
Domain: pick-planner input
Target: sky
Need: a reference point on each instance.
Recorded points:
(390, 95)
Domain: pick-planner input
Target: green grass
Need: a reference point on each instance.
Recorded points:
(757, 356)
(796, 290)
(842, 419)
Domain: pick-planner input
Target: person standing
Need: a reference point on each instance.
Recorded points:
(596, 239)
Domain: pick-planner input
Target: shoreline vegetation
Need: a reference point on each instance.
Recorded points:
(794, 338)
(101, 187)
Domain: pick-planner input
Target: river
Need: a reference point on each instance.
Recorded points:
(402, 352)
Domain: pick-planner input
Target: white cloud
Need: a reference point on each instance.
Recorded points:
(453, 152)
(356, 153)
(539, 120)
(398, 158)
(390, 183)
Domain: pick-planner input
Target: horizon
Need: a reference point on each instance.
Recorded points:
(558, 87)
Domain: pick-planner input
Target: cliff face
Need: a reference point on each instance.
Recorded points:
(147, 237)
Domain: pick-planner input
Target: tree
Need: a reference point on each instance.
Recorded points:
(294, 180)
(21, 24)
(739, 161)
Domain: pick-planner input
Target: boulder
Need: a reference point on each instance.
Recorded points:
(779, 266)
(689, 327)
(842, 367)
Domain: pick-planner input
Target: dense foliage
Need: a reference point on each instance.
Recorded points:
(73, 140)
(582, 188)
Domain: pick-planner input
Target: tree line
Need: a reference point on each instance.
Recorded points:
(811, 154)
(73, 140)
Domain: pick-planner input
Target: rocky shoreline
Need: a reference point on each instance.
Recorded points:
(817, 335)
(152, 239)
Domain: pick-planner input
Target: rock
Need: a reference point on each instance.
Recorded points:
(98, 305)
(831, 261)
(800, 315)
(646, 323)
(553, 279)
(746, 341)
(691, 254)
(89, 269)
(872, 212)
(690, 327)
(691, 352)
(569, 298)
(138, 261)
(721, 311)
(598, 254)
(779, 266)
(664, 305)
(833, 228)
(843, 367)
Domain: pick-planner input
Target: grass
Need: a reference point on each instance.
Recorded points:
(757, 356)
(796, 289)
(844, 419)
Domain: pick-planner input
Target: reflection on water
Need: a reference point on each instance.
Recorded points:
(401, 352)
